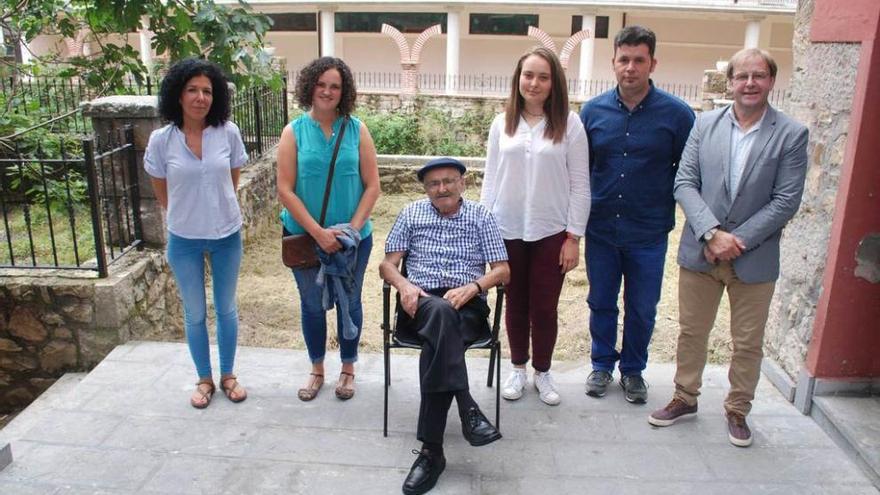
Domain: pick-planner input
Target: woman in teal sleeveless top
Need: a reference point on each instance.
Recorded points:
(325, 89)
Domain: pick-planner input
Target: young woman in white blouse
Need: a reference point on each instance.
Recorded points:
(536, 184)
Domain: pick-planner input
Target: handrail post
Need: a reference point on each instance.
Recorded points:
(88, 145)
(134, 188)
(258, 120)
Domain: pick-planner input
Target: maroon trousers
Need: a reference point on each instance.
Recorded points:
(532, 298)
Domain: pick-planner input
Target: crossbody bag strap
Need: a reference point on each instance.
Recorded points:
(332, 167)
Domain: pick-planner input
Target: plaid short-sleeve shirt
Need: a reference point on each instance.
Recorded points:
(446, 251)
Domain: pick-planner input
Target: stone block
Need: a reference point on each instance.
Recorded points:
(7, 345)
(5, 455)
(81, 311)
(62, 333)
(51, 318)
(18, 362)
(25, 325)
(95, 343)
(58, 355)
(18, 397)
(114, 301)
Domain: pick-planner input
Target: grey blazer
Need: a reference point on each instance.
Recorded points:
(769, 193)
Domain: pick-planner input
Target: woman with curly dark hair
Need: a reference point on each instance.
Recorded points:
(325, 89)
(194, 164)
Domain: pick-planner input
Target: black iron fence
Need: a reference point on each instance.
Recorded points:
(260, 111)
(69, 201)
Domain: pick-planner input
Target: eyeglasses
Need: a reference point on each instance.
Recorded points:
(434, 184)
(743, 77)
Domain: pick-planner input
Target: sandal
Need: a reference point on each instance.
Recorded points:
(311, 391)
(204, 397)
(344, 392)
(236, 388)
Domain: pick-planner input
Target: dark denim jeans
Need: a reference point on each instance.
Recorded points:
(314, 318)
(641, 270)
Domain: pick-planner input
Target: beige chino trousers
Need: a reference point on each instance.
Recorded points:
(698, 297)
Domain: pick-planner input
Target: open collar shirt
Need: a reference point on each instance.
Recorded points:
(201, 198)
(741, 142)
(634, 156)
(445, 252)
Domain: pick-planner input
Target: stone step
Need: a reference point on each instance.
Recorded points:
(854, 424)
(39, 410)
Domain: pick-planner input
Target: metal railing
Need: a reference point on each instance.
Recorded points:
(496, 85)
(260, 111)
(69, 202)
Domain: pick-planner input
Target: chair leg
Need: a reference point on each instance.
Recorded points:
(387, 384)
(498, 388)
(492, 355)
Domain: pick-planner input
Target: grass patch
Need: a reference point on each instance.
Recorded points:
(32, 242)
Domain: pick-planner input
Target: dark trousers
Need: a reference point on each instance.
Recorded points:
(445, 334)
(533, 298)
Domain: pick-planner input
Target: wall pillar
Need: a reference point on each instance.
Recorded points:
(753, 32)
(453, 48)
(110, 114)
(146, 39)
(328, 32)
(588, 49)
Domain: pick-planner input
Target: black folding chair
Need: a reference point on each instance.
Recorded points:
(393, 340)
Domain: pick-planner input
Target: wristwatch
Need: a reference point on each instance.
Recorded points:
(710, 234)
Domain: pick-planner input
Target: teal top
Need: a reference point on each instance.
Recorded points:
(313, 153)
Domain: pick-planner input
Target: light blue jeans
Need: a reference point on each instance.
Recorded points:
(187, 260)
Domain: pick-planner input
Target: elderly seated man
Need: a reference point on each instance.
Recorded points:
(447, 241)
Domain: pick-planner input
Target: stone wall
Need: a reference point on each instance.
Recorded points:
(54, 323)
(822, 89)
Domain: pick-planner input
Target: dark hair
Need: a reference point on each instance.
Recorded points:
(556, 105)
(308, 78)
(175, 80)
(634, 36)
(740, 57)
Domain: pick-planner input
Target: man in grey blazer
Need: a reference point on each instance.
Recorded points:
(740, 180)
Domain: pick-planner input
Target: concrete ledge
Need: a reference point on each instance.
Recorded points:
(779, 378)
(852, 422)
(5, 456)
(865, 387)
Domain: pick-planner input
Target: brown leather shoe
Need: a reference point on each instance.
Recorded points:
(675, 410)
(738, 431)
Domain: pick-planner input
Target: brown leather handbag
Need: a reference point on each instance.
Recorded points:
(300, 250)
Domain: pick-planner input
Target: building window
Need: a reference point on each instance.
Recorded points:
(517, 24)
(601, 25)
(293, 22)
(371, 22)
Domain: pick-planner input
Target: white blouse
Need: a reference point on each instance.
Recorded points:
(201, 200)
(536, 188)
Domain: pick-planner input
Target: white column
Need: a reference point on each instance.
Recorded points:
(588, 49)
(753, 32)
(453, 48)
(25, 53)
(146, 38)
(328, 33)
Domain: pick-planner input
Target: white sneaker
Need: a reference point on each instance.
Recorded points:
(547, 388)
(515, 384)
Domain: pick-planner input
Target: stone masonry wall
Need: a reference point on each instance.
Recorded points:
(822, 89)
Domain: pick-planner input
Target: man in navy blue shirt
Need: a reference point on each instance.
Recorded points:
(637, 133)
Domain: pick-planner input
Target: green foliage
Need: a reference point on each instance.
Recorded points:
(231, 35)
(429, 131)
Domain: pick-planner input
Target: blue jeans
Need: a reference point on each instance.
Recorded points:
(641, 269)
(314, 318)
(187, 260)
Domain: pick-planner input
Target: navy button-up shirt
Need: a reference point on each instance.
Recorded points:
(633, 160)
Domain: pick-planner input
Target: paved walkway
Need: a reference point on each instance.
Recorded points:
(127, 427)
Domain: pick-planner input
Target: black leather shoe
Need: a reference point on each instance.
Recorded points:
(477, 430)
(424, 473)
